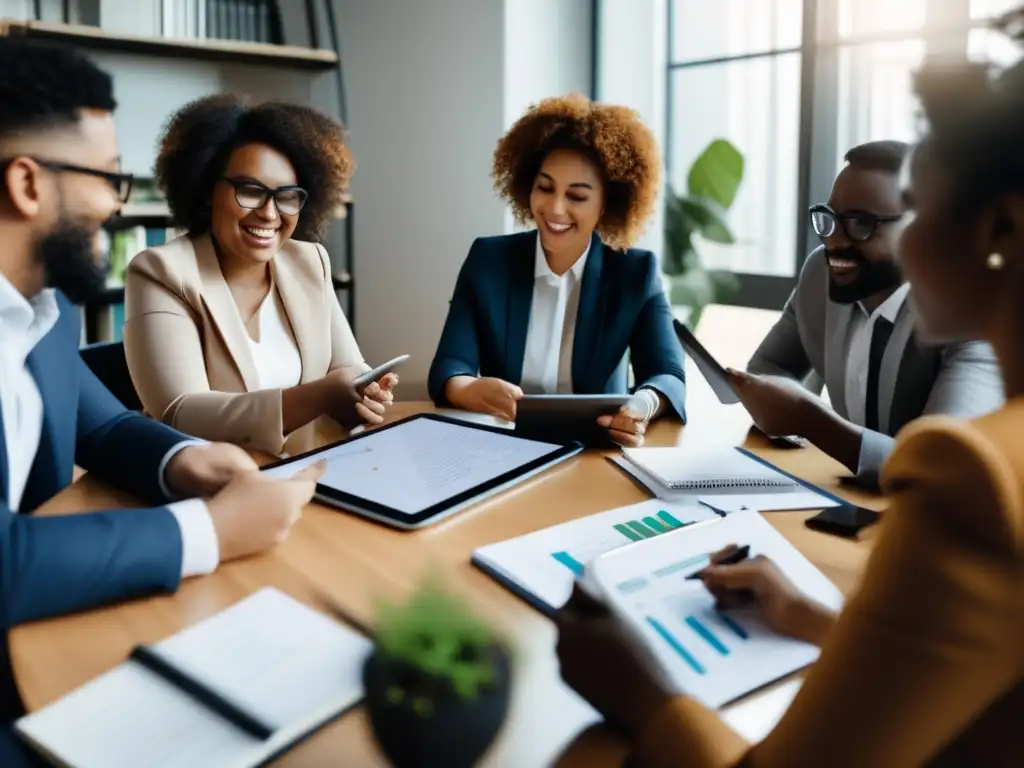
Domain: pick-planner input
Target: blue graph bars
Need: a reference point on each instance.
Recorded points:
(569, 562)
(706, 634)
(676, 646)
(734, 626)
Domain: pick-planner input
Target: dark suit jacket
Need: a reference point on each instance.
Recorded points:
(915, 379)
(622, 309)
(57, 565)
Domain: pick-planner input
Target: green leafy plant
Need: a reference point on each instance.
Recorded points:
(712, 184)
(436, 634)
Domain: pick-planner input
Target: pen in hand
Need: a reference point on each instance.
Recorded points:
(738, 555)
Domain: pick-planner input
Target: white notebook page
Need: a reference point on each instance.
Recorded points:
(290, 665)
(699, 466)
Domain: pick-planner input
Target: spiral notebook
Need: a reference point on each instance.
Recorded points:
(699, 468)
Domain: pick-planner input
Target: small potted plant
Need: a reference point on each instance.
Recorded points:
(437, 683)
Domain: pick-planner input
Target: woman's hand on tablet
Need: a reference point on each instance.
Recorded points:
(629, 426)
(495, 397)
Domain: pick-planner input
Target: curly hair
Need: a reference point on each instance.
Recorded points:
(612, 137)
(199, 139)
(975, 120)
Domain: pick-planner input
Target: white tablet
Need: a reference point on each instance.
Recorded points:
(423, 468)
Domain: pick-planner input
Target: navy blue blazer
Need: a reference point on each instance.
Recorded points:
(622, 309)
(56, 565)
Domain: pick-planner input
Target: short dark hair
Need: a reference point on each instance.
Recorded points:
(201, 136)
(975, 123)
(885, 156)
(46, 86)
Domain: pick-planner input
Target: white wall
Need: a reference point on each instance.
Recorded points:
(431, 86)
(547, 53)
(632, 67)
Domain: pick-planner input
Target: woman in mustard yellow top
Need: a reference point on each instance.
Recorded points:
(925, 665)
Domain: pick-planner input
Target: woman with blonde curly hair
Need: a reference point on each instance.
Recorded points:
(233, 331)
(565, 307)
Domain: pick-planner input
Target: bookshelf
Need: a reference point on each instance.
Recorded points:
(138, 51)
(232, 51)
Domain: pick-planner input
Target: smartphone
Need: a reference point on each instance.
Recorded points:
(846, 520)
(365, 379)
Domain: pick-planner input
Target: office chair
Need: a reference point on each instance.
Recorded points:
(106, 359)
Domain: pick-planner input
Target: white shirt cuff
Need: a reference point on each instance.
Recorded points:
(200, 548)
(167, 492)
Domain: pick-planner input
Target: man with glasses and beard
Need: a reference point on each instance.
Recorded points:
(848, 321)
(61, 181)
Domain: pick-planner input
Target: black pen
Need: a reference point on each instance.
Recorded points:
(209, 698)
(736, 556)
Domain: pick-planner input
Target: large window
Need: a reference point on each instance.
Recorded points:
(794, 84)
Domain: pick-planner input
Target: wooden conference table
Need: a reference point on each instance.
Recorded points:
(357, 562)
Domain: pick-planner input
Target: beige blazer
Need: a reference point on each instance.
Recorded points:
(926, 663)
(188, 350)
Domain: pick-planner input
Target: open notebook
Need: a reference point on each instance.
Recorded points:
(273, 661)
(712, 655)
(700, 468)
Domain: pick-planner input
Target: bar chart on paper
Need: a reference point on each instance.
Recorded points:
(714, 656)
(544, 564)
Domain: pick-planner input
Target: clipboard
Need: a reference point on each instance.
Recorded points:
(711, 369)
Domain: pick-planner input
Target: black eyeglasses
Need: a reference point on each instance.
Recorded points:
(858, 226)
(120, 182)
(254, 195)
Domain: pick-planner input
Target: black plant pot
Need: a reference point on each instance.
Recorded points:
(419, 720)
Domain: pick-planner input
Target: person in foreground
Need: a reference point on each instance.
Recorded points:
(848, 321)
(233, 331)
(925, 665)
(556, 309)
(61, 181)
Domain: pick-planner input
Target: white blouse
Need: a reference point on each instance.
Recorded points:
(276, 356)
(547, 365)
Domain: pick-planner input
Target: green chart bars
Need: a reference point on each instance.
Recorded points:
(637, 530)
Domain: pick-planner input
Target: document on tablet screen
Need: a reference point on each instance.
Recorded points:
(413, 466)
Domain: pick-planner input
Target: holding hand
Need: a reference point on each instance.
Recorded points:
(629, 426)
(495, 397)
(778, 406)
(608, 665)
(350, 406)
(758, 583)
(255, 512)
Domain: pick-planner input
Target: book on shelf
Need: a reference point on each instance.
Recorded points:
(243, 20)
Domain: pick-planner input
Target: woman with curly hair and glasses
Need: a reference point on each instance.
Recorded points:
(233, 331)
(565, 307)
(925, 663)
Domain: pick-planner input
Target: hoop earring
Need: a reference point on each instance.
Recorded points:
(995, 261)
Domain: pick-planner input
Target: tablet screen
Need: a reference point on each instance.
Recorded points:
(419, 463)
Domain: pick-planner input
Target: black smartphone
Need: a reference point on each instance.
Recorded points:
(846, 520)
